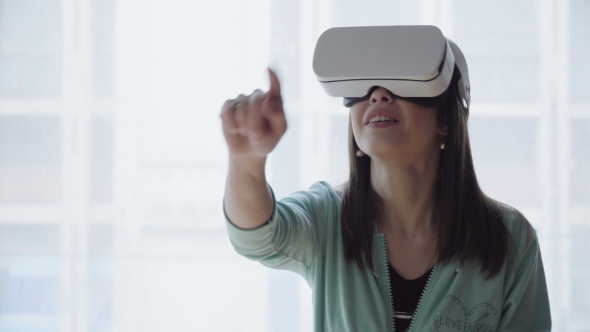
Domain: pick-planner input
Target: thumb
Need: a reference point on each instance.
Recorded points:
(275, 85)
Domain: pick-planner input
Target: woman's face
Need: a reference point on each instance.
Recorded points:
(416, 134)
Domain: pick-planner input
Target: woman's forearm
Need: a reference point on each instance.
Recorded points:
(248, 200)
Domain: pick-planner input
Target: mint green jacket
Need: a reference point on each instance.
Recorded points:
(303, 236)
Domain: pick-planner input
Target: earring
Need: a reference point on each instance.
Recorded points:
(442, 146)
(359, 153)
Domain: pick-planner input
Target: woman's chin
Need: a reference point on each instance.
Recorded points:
(383, 153)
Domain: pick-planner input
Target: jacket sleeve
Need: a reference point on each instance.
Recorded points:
(526, 306)
(288, 241)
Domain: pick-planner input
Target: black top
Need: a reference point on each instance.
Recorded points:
(406, 295)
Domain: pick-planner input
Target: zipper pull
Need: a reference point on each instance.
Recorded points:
(375, 274)
(459, 267)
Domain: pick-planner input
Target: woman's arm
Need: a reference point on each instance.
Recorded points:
(526, 307)
(252, 126)
(247, 201)
(290, 240)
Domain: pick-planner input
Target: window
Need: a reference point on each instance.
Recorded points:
(29, 277)
(285, 43)
(100, 278)
(580, 290)
(103, 16)
(504, 154)
(379, 12)
(579, 50)
(498, 39)
(101, 188)
(30, 158)
(580, 162)
(30, 48)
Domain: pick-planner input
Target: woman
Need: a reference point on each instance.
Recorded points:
(409, 242)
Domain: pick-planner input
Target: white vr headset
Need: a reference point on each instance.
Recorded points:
(415, 63)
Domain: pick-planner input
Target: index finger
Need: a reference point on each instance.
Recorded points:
(275, 85)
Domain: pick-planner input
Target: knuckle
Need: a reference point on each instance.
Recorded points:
(245, 100)
(226, 105)
(258, 97)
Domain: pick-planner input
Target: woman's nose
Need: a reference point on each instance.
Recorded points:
(381, 95)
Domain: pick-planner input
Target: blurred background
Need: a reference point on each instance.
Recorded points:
(113, 162)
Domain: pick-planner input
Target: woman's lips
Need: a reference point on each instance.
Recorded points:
(381, 124)
(381, 112)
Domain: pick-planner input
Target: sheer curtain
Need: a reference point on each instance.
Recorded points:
(113, 162)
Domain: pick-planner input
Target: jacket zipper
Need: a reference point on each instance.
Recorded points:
(388, 282)
(423, 292)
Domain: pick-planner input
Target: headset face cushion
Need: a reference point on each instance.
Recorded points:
(429, 102)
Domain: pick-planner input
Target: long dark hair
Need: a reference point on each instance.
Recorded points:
(470, 223)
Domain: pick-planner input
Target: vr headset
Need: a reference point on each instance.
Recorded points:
(415, 63)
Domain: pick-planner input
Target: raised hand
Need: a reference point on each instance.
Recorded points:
(254, 124)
